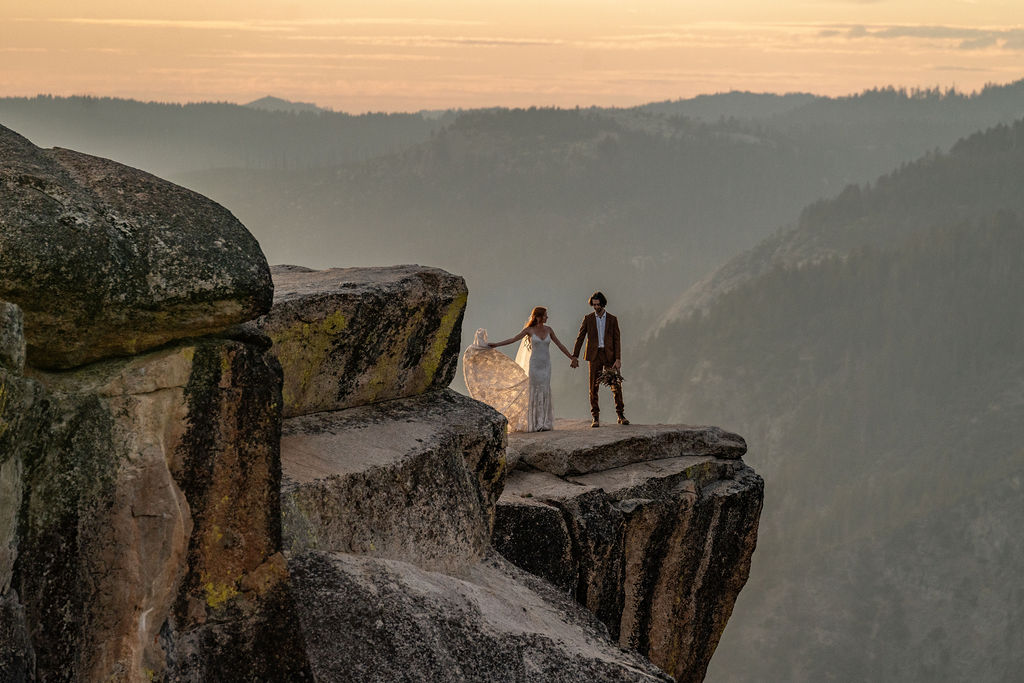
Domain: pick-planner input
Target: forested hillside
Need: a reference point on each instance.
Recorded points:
(980, 173)
(874, 359)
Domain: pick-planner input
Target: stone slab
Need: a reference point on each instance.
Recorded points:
(491, 622)
(415, 479)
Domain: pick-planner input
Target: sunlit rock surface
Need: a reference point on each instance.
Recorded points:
(658, 548)
(351, 336)
(149, 521)
(415, 479)
(573, 448)
(106, 260)
(369, 619)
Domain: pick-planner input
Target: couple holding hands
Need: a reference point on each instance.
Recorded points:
(522, 390)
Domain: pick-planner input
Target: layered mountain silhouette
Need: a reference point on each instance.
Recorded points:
(867, 344)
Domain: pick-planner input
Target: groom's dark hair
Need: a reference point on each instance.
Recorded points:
(600, 297)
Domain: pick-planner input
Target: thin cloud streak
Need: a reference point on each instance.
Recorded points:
(968, 38)
(432, 41)
(367, 56)
(260, 26)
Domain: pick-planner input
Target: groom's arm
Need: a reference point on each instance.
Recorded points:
(617, 341)
(579, 338)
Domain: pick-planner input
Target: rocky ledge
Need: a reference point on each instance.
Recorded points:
(414, 479)
(145, 534)
(657, 546)
(368, 619)
(575, 448)
(387, 514)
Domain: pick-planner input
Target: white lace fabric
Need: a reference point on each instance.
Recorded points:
(520, 390)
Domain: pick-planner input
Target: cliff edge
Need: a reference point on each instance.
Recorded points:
(652, 527)
(197, 485)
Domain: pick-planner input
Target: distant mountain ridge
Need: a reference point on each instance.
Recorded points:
(271, 103)
(171, 139)
(729, 105)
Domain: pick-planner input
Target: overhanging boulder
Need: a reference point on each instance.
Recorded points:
(106, 260)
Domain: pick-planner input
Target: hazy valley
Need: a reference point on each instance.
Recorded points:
(866, 339)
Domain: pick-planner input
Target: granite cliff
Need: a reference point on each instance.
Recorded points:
(215, 470)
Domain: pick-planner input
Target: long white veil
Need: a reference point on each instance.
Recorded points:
(497, 380)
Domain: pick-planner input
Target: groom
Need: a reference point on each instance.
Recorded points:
(601, 330)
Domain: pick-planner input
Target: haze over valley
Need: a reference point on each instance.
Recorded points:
(838, 279)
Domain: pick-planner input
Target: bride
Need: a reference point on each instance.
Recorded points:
(521, 390)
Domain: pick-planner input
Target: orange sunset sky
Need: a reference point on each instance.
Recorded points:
(405, 56)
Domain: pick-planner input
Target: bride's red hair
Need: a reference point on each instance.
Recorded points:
(535, 316)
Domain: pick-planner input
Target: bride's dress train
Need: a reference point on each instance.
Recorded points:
(520, 390)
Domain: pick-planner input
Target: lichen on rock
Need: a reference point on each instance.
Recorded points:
(351, 336)
(152, 487)
(12, 337)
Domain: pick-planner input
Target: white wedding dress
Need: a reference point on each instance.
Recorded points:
(519, 390)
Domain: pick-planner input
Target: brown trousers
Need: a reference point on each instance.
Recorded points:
(603, 359)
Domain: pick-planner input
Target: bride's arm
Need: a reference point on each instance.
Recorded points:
(509, 341)
(560, 345)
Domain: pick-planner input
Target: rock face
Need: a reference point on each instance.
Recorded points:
(150, 527)
(387, 513)
(105, 260)
(147, 532)
(414, 479)
(22, 415)
(351, 336)
(12, 337)
(492, 622)
(657, 549)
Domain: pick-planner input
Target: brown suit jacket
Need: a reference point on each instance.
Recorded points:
(588, 330)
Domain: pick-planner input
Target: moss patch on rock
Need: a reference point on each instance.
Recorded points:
(352, 336)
